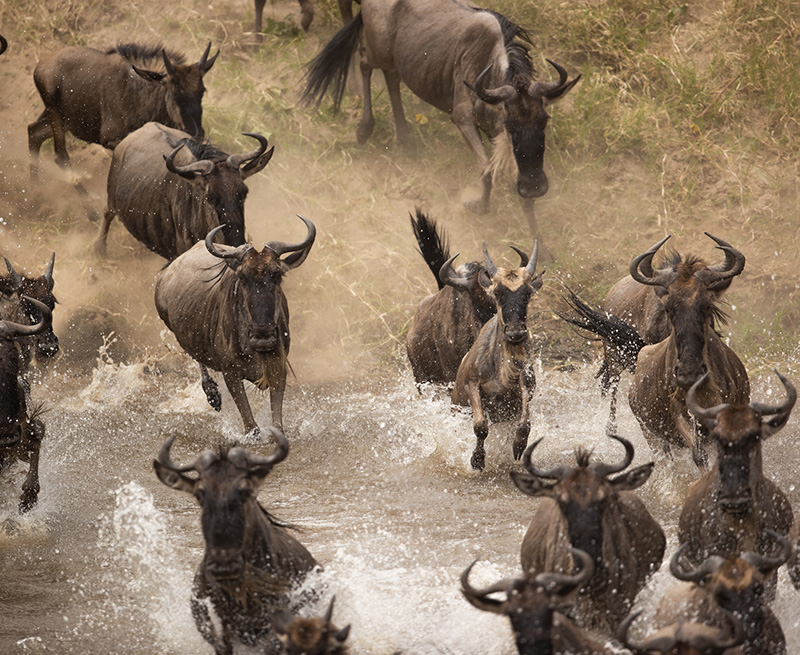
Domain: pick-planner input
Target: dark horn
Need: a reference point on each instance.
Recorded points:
(165, 460)
(48, 274)
(718, 643)
(791, 398)
(235, 253)
(734, 260)
(11, 330)
(490, 267)
(622, 632)
(279, 247)
(551, 580)
(491, 96)
(523, 256)
(205, 64)
(189, 171)
(764, 563)
(557, 473)
(503, 585)
(448, 276)
(168, 65)
(705, 414)
(697, 574)
(204, 56)
(278, 455)
(15, 277)
(235, 161)
(3, 44)
(607, 469)
(531, 265)
(641, 267)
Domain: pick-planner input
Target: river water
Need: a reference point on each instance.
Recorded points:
(378, 480)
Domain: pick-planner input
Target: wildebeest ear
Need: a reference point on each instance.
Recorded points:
(536, 283)
(172, 478)
(632, 479)
(531, 485)
(484, 280)
(150, 76)
(660, 291)
(254, 166)
(293, 260)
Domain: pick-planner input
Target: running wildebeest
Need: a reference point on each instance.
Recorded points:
(733, 584)
(227, 310)
(534, 605)
(585, 508)
(446, 323)
(496, 378)
(472, 63)
(169, 189)
(101, 97)
(688, 289)
(14, 287)
(313, 636)
(684, 638)
(734, 506)
(21, 430)
(251, 562)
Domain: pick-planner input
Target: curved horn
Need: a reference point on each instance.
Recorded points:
(205, 63)
(733, 264)
(622, 632)
(234, 253)
(48, 274)
(279, 247)
(551, 580)
(490, 267)
(703, 414)
(448, 276)
(791, 398)
(189, 171)
(168, 65)
(491, 96)
(11, 330)
(557, 473)
(278, 455)
(3, 44)
(607, 469)
(709, 566)
(641, 267)
(165, 460)
(531, 265)
(717, 643)
(764, 563)
(16, 278)
(523, 256)
(235, 161)
(469, 590)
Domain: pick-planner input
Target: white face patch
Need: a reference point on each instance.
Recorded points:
(511, 279)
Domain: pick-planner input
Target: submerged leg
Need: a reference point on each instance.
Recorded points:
(527, 386)
(30, 488)
(480, 426)
(276, 403)
(211, 389)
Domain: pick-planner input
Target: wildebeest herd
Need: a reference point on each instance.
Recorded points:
(592, 543)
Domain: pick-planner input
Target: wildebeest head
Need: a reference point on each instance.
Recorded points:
(525, 120)
(689, 290)
(226, 486)
(737, 432)
(512, 290)
(586, 495)
(530, 601)
(737, 584)
(221, 179)
(184, 88)
(312, 636)
(685, 638)
(259, 276)
(16, 286)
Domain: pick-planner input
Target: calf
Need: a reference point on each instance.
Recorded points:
(313, 636)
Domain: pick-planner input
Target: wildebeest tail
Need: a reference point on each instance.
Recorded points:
(614, 331)
(433, 245)
(332, 64)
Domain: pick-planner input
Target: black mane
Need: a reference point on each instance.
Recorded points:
(520, 66)
(147, 56)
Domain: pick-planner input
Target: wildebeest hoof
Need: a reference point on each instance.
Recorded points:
(478, 460)
(28, 499)
(363, 132)
(213, 395)
(477, 207)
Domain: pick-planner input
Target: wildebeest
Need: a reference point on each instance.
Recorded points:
(101, 97)
(534, 605)
(733, 584)
(731, 508)
(685, 638)
(586, 508)
(446, 323)
(232, 315)
(688, 289)
(14, 288)
(313, 636)
(472, 63)
(21, 430)
(170, 190)
(496, 378)
(251, 562)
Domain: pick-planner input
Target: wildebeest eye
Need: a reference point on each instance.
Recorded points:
(199, 493)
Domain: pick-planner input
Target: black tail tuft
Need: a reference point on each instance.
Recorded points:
(332, 64)
(433, 244)
(614, 331)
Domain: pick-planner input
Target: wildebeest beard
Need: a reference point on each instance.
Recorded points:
(256, 591)
(273, 367)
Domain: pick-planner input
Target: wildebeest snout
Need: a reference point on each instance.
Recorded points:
(516, 333)
(533, 185)
(225, 563)
(264, 338)
(737, 505)
(686, 376)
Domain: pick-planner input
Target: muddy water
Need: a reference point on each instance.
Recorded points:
(378, 479)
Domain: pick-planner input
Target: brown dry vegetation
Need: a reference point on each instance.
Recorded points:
(685, 121)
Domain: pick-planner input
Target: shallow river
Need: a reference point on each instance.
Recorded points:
(378, 479)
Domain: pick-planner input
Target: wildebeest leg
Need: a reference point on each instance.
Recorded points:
(236, 387)
(689, 435)
(307, 13)
(30, 488)
(462, 117)
(346, 10)
(367, 122)
(38, 132)
(259, 7)
(211, 389)
(276, 403)
(205, 626)
(59, 137)
(480, 426)
(100, 246)
(527, 384)
(392, 78)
